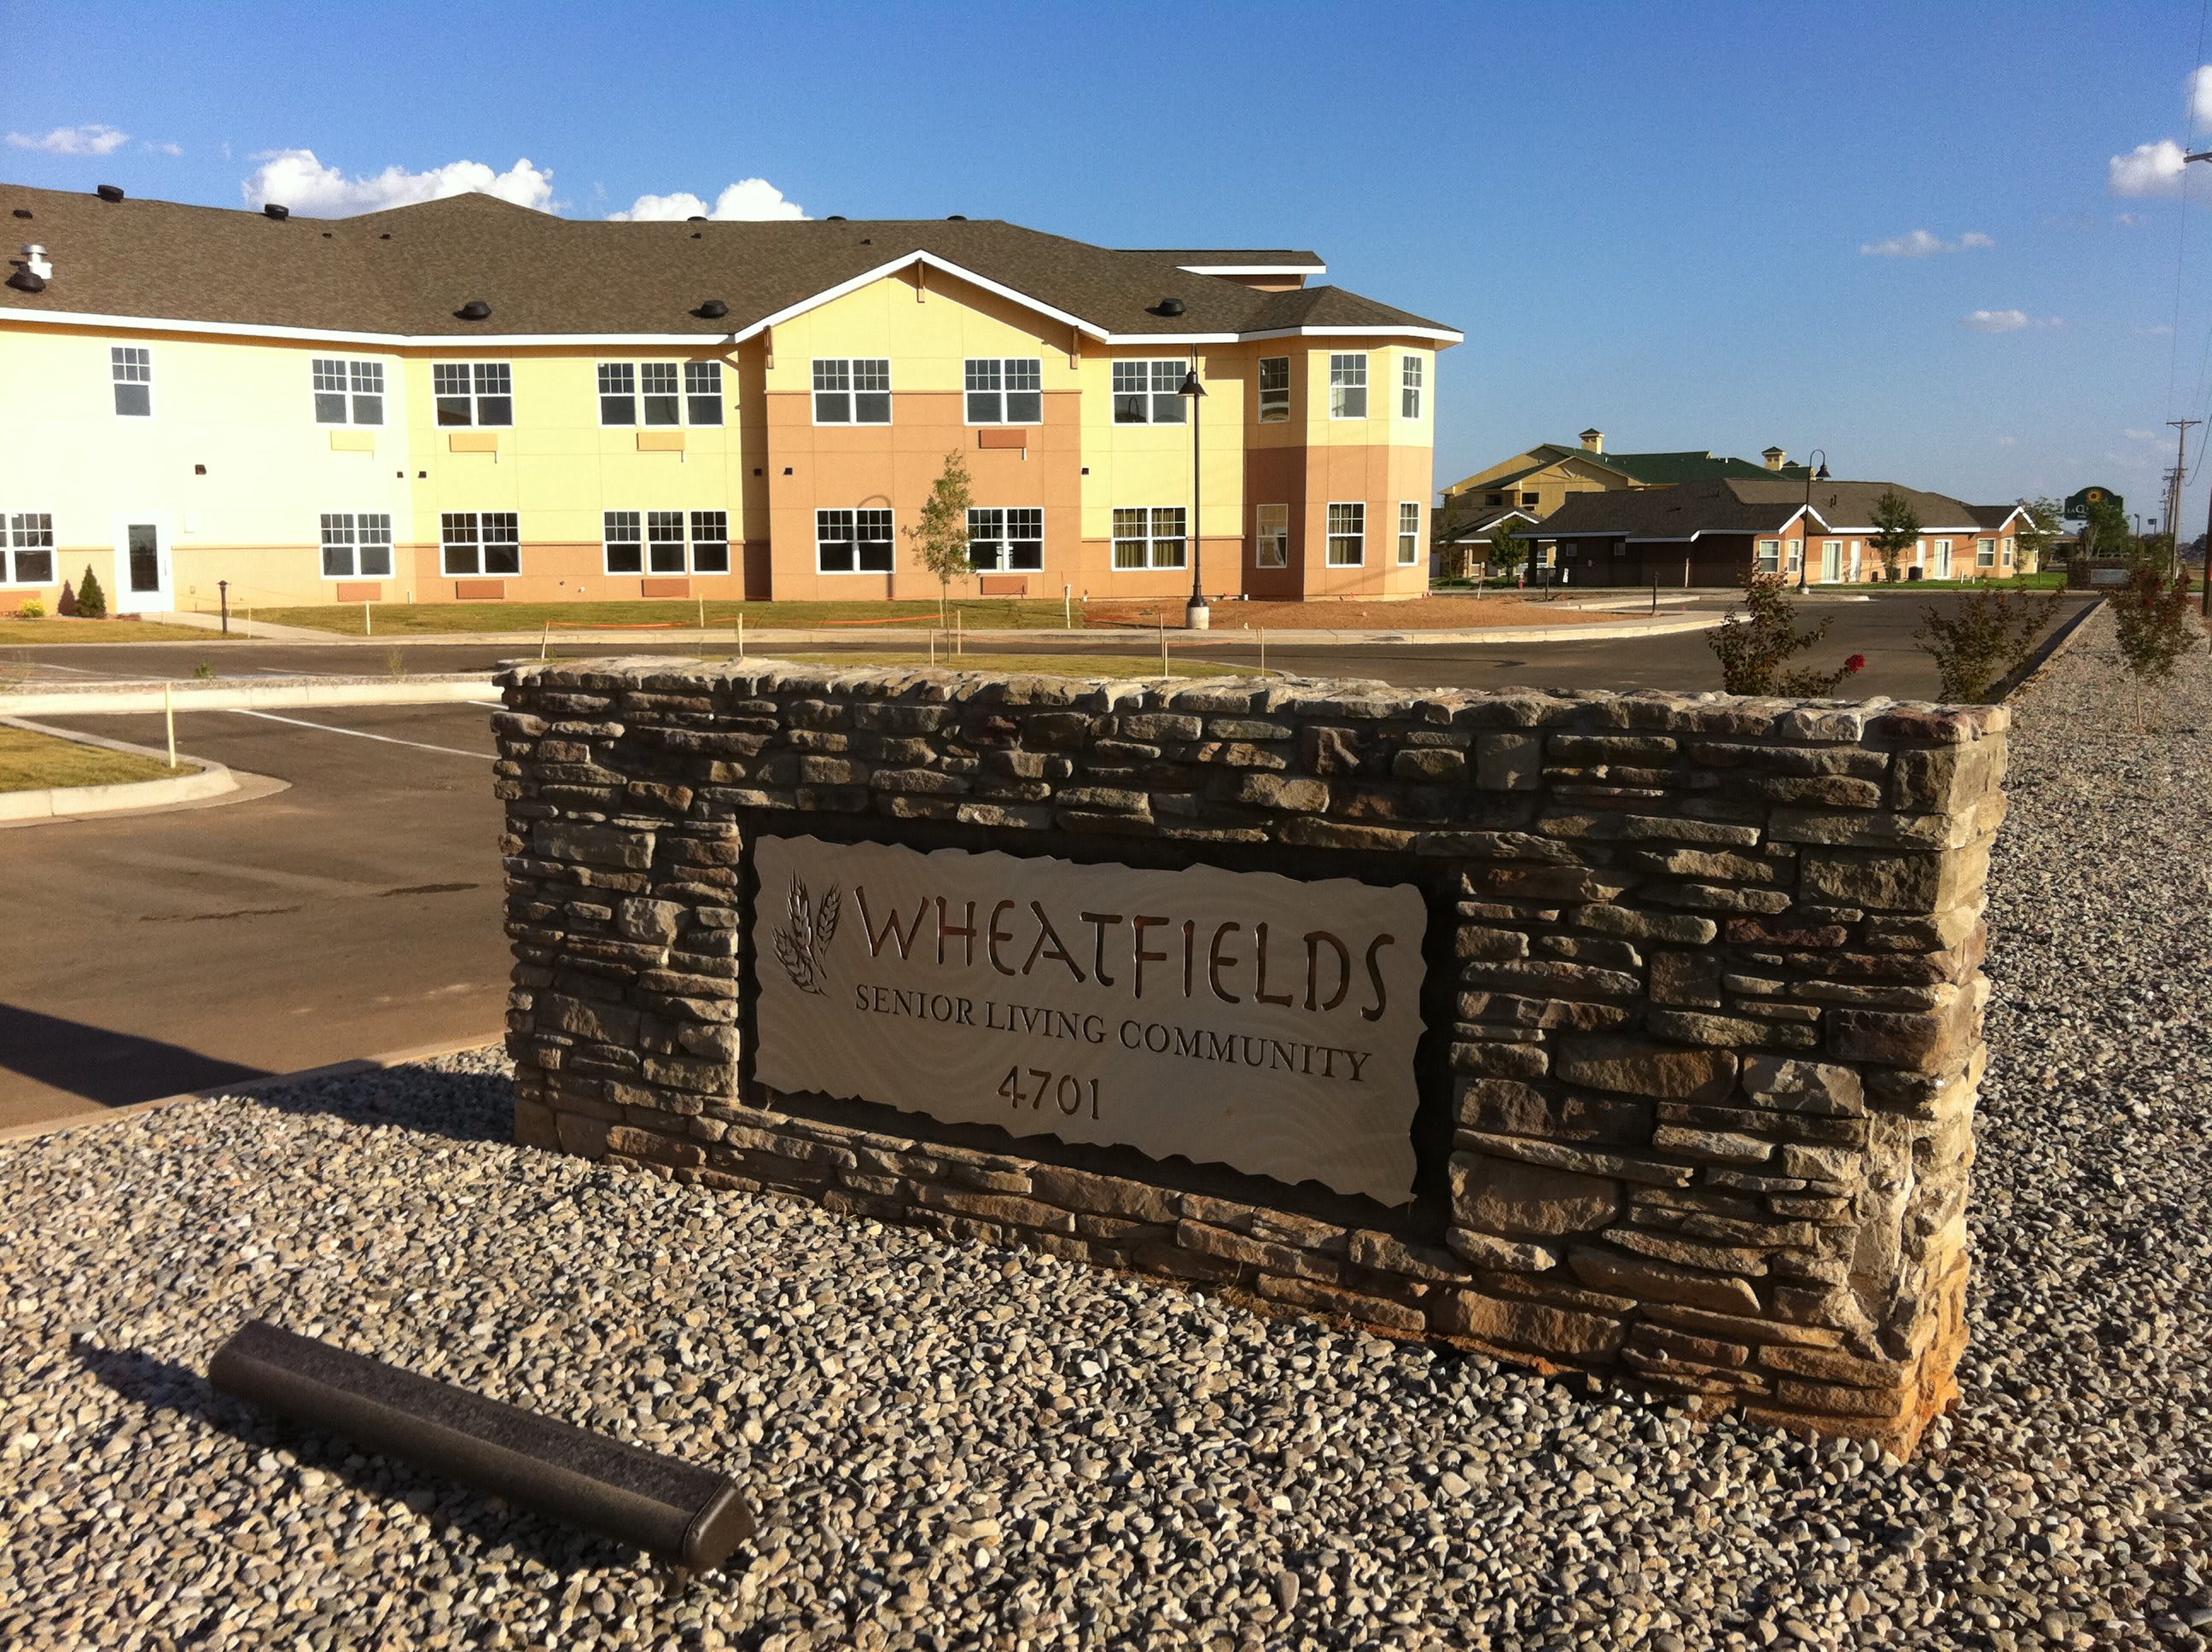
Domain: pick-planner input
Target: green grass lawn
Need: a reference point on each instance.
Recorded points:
(32, 763)
(1069, 665)
(2050, 579)
(16, 633)
(410, 619)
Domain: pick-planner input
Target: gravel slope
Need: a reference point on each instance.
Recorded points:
(959, 1447)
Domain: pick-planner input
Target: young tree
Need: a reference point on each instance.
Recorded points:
(1508, 550)
(2105, 531)
(1897, 529)
(1753, 645)
(2032, 542)
(91, 600)
(2155, 625)
(1982, 638)
(940, 537)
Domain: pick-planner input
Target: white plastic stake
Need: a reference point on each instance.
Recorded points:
(169, 721)
(741, 633)
(1263, 651)
(368, 621)
(702, 613)
(1068, 608)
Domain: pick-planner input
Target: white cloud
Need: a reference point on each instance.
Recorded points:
(750, 198)
(296, 179)
(162, 149)
(2200, 95)
(2160, 331)
(1923, 243)
(2148, 169)
(94, 139)
(1996, 320)
(2008, 441)
(2140, 436)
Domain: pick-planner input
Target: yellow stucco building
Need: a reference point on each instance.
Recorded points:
(466, 400)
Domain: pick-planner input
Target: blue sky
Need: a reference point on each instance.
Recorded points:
(1650, 218)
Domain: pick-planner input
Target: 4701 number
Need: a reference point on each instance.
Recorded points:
(1064, 1091)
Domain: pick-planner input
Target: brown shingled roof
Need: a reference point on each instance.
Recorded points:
(1743, 505)
(408, 269)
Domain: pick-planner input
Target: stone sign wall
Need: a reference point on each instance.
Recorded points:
(1674, 1046)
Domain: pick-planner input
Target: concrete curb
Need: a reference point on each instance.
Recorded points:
(250, 1087)
(293, 693)
(2052, 646)
(210, 779)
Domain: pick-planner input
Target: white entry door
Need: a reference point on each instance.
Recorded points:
(143, 578)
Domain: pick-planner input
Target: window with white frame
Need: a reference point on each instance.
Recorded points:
(1274, 389)
(626, 385)
(2007, 552)
(480, 541)
(1271, 543)
(702, 391)
(1412, 379)
(473, 392)
(1347, 386)
(645, 542)
(1409, 534)
(710, 535)
(1985, 553)
(348, 392)
(1942, 559)
(853, 542)
(1797, 554)
(356, 545)
(1347, 536)
(131, 367)
(1149, 393)
(1832, 558)
(1005, 389)
(1770, 556)
(853, 389)
(1012, 539)
(1149, 538)
(26, 548)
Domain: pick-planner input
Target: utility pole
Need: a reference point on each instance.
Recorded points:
(2182, 427)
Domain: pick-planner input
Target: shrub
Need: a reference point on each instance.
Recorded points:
(31, 607)
(1979, 641)
(202, 671)
(1752, 646)
(91, 600)
(2155, 624)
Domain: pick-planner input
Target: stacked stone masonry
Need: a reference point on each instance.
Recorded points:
(1704, 1038)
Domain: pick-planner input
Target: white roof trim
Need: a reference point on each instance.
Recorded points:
(1387, 330)
(1254, 269)
(904, 261)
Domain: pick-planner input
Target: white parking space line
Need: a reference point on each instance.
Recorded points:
(489, 705)
(363, 734)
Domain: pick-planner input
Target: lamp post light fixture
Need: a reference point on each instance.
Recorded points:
(1805, 528)
(1196, 617)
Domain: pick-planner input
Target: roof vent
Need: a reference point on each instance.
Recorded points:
(24, 282)
(109, 191)
(1168, 307)
(714, 309)
(270, 209)
(835, 218)
(956, 217)
(22, 212)
(474, 310)
(35, 262)
(697, 218)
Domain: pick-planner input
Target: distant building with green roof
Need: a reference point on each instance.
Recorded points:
(1543, 478)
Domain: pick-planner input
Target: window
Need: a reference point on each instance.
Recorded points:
(1274, 389)
(1147, 393)
(649, 541)
(1770, 556)
(1271, 547)
(1494, 499)
(702, 391)
(1797, 554)
(31, 560)
(348, 392)
(619, 387)
(1409, 534)
(1347, 535)
(853, 392)
(1005, 389)
(1412, 375)
(853, 542)
(1011, 539)
(1942, 559)
(1347, 386)
(481, 542)
(710, 529)
(1832, 558)
(1985, 553)
(357, 547)
(2008, 553)
(133, 368)
(1148, 539)
(1528, 501)
(473, 392)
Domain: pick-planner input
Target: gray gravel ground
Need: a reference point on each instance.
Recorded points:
(957, 1447)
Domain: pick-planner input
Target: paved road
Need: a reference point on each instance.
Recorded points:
(1880, 628)
(356, 913)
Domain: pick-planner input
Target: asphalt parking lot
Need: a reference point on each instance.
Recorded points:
(357, 912)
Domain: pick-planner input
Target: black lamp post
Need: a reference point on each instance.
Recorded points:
(1196, 616)
(1805, 554)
